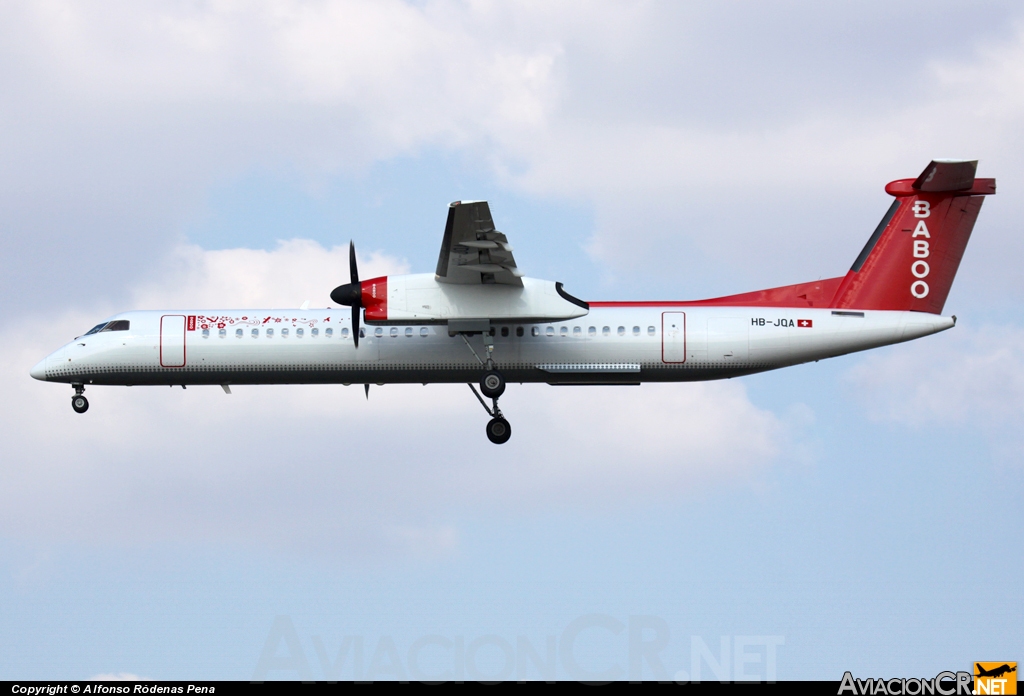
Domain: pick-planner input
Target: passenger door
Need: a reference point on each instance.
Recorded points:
(172, 340)
(673, 337)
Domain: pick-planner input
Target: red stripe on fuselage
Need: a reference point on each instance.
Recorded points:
(818, 293)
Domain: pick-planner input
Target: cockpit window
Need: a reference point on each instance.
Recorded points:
(118, 325)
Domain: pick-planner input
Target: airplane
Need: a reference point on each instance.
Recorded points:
(478, 319)
(996, 671)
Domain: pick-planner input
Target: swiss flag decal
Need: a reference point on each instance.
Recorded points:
(804, 323)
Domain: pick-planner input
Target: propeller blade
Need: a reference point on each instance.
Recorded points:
(351, 293)
(366, 388)
(353, 277)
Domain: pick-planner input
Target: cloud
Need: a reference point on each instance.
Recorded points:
(692, 131)
(320, 468)
(973, 379)
(122, 118)
(297, 270)
(717, 146)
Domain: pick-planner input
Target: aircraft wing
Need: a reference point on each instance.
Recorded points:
(473, 252)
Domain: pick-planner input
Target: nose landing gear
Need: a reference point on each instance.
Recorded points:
(78, 402)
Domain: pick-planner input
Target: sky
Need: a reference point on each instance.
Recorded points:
(858, 514)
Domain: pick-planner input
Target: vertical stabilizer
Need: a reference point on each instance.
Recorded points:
(911, 259)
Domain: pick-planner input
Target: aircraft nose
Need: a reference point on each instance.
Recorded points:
(39, 371)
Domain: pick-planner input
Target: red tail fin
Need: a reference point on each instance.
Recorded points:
(911, 259)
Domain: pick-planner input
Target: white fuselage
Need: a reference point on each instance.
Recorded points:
(610, 345)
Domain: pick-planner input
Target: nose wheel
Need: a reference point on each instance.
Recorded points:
(78, 402)
(498, 429)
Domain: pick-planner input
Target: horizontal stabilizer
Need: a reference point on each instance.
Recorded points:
(947, 175)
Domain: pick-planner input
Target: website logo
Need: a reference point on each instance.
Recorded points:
(995, 678)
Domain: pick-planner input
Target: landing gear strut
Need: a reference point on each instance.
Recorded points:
(78, 402)
(492, 384)
(498, 429)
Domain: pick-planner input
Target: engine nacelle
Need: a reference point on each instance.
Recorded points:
(419, 299)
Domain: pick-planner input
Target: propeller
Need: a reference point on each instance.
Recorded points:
(351, 294)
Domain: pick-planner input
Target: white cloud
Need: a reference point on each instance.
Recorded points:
(971, 379)
(681, 141)
(320, 467)
(391, 76)
(714, 134)
(296, 271)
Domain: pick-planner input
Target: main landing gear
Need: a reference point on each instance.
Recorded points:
(498, 429)
(78, 402)
(492, 384)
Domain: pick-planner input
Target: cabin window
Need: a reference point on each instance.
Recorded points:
(550, 331)
(255, 333)
(408, 332)
(576, 331)
(329, 332)
(284, 333)
(222, 333)
(535, 331)
(592, 331)
(622, 330)
(519, 331)
(299, 332)
(606, 331)
(650, 330)
(270, 333)
(504, 332)
(636, 330)
(394, 331)
(362, 332)
(206, 333)
(238, 333)
(314, 332)
(378, 332)
(119, 325)
(424, 331)
(95, 329)
(564, 331)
